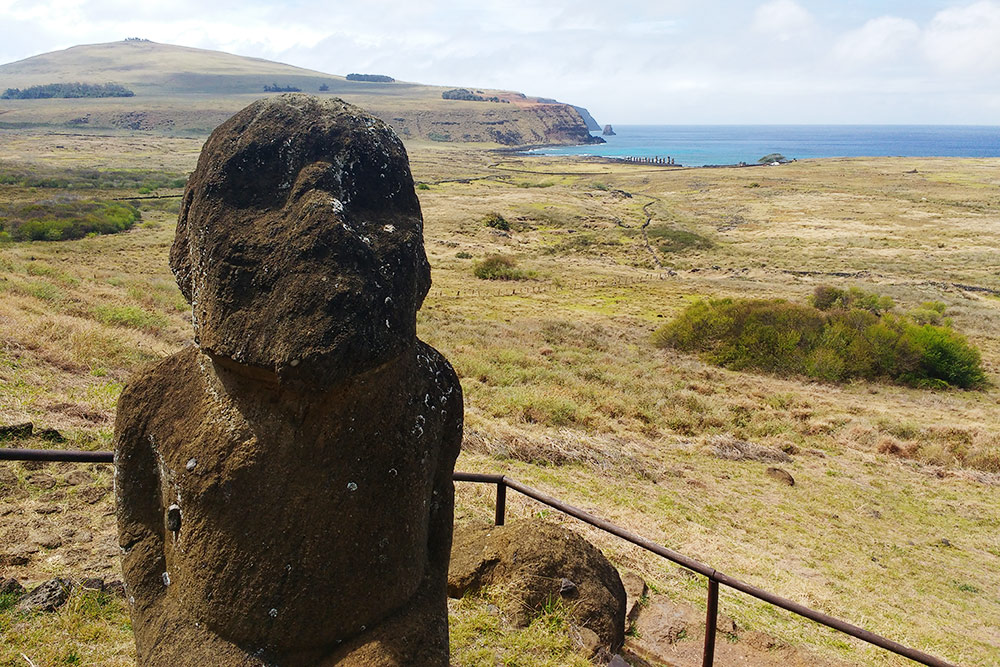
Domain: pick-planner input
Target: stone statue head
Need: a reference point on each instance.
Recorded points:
(300, 242)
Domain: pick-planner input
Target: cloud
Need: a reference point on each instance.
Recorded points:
(878, 41)
(965, 39)
(783, 20)
(645, 61)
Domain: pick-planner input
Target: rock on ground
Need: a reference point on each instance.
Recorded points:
(47, 597)
(533, 562)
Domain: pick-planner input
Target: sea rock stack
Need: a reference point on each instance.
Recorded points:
(284, 485)
(608, 131)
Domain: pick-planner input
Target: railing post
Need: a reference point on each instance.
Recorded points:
(501, 509)
(711, 620)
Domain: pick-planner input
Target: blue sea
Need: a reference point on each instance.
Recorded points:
(699, 145)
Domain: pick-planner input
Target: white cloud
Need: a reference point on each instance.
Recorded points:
(878, 41)
(965, 39)
(783, 20)
(736, 61)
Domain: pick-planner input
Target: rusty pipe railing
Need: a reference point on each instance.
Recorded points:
(503, 482)
(72, 456)
(714, 577)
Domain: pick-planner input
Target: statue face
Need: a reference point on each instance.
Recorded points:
(300, 242)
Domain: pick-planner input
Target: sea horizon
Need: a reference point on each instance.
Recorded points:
(706, 145)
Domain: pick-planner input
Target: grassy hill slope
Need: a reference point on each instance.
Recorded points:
(185, 90)
(891, 522)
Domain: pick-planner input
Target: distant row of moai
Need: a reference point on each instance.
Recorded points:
(667, 161)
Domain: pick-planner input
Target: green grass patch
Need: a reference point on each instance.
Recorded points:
(130, 316)
(678, 240)
(92, 628)
(481, 637)
(40, 289)
(836, 345)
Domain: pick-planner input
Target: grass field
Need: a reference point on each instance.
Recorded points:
(891, 523)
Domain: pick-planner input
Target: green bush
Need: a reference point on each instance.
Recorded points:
(837, 344)
(500, 267)
(37, 176)
(930, 312)
(826, 297)
(65, 219)
(496, 221)
(67, 90)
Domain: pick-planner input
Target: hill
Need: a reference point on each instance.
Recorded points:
(190, 91)
(891, 520)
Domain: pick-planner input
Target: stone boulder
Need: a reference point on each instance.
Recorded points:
(283, 488)
(11, 587)
(532, 563)
(46, 597)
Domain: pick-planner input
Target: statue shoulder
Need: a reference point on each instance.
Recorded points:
(152, 385)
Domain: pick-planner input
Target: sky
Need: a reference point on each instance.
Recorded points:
(627, 61)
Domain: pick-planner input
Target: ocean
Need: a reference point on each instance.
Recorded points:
(699, 145)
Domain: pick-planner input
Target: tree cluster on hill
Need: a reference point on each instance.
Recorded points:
(370, 78)
(467, 95)
(843, 335)
(275, 88)
(69, 90)
(63, 219)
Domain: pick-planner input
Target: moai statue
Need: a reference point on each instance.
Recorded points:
(284, 485)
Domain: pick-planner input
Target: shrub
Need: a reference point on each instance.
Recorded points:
(275, 88)
(370, 78)
(467, 95)
(70, 90)
(496, 221)
(826, 297)
(947, 356)
(835, 345)
(500, 267)
(64, 219)
(930, 312)
(37, 176)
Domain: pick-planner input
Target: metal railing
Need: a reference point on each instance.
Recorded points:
(503, 482)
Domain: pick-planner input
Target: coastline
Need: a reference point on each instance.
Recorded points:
(732, 146)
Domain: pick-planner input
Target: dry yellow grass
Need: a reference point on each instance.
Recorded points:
(565, 391)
